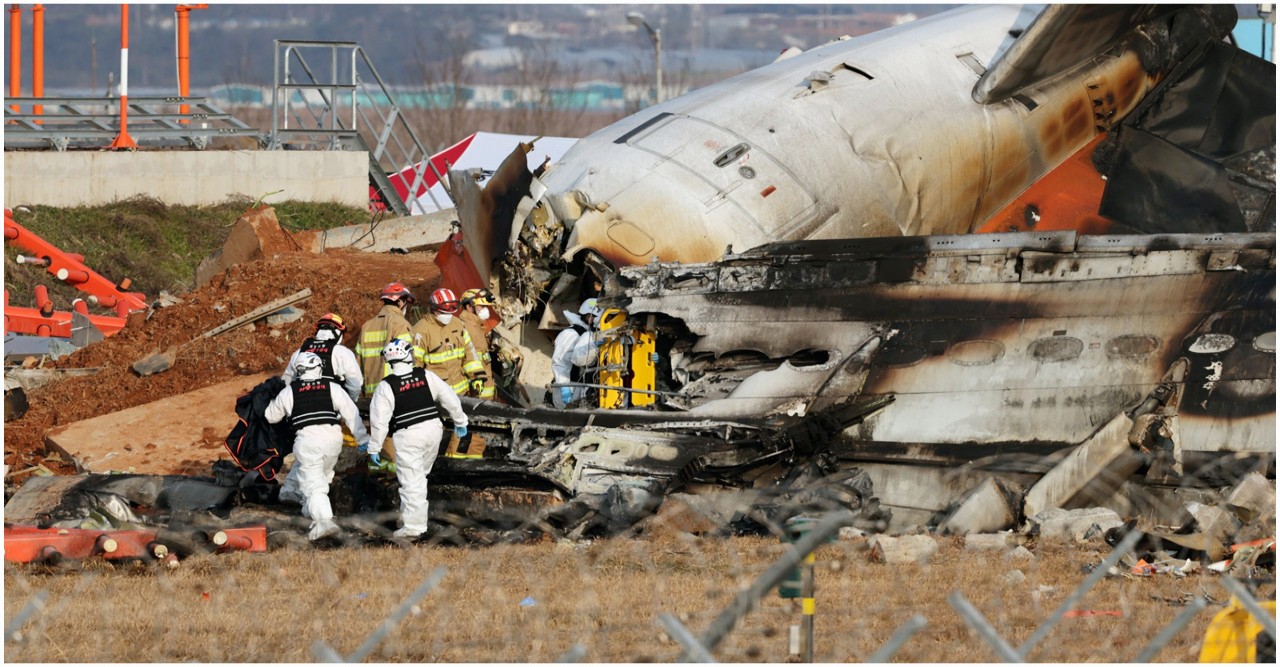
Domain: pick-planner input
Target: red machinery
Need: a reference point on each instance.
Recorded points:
(43, 320)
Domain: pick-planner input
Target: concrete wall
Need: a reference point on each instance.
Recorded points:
(78, 178)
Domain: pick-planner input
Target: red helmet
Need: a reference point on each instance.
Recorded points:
(396, 292)
(331, 321)
(443, 301)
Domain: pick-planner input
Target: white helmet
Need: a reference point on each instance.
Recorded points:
(398, 350)
(589, 307)
(309, 366)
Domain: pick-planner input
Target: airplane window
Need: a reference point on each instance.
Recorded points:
(1213, 343)
(1133, 346)
(975, 352)
(1266, 342)
(1056, 348)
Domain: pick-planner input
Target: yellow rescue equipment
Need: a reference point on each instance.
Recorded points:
(625, 361)
(1233, 634)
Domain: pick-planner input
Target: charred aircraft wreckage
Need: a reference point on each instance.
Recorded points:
(1030, 244)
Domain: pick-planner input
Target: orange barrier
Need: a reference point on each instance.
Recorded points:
(70, 268)
(30, 544)
(250, 538)
(56, 324)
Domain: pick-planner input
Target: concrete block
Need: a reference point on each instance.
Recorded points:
(985, 509)
(1090, 473)
(1020, 553)
(987, 541)
(284, 316)
(898, 550)
(1255, 495)
(179, 435)
(418, 232)
(184, 177)
(1075, 525)
(1214, 522)
(254, 235)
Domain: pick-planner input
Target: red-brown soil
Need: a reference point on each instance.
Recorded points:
(341, 281)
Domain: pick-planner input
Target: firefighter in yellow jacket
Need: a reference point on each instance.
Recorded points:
(444, 346)
(387, 325)
(477, 308)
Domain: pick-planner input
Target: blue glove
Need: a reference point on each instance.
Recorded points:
(566, 395)
(363, 449)
(654, 357)
(460, 431)
(375, 461)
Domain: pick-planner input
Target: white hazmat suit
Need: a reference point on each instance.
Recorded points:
(316, 448)
(346, 370)
(417, 446)
(575, 346)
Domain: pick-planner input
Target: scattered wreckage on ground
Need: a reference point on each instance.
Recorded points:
(829, 329)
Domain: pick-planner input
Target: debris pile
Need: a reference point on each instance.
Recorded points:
(341, 281)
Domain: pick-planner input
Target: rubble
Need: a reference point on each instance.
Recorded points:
(1076, 525)
(1253, 498)
(986, 508)
(990, 541)
(1215, 522)
(918, 549)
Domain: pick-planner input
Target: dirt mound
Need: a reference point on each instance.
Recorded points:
(341, 281)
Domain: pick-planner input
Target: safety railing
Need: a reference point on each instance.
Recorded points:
(93, 122)
(338, 101)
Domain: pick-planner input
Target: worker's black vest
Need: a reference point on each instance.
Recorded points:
(312, 403)
(414, 402)
(324, 350)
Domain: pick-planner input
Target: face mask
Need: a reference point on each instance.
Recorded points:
(483, 313)
(444, 318)
(325, 334)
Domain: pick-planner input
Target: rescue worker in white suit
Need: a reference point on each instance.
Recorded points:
(339, 363)
(407, 403)
(316, 406)
(575, 347)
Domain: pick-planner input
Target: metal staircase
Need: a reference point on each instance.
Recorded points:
(342, 103)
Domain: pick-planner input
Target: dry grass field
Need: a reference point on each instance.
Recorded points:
(532, 602)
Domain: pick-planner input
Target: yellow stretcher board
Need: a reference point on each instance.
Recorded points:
(625, 360)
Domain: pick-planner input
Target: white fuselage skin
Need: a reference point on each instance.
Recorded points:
(890, 144)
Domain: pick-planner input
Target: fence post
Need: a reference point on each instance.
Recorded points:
(746, 600)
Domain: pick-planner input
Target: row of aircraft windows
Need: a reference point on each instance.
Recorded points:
(1061, 348)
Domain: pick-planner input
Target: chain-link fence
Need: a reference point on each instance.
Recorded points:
(656, 593)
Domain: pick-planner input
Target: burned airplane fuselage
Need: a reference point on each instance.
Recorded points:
(873, 136)
(854, 173)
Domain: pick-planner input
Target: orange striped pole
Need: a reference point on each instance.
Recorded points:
(37, 56)
(15, 54)
(123, 140)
